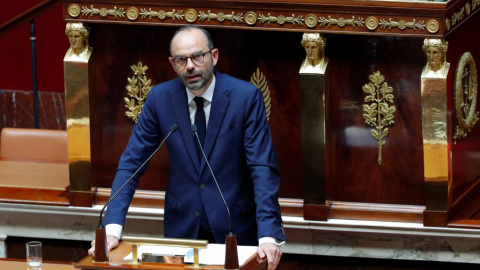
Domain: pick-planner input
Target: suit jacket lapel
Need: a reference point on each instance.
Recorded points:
(220, 102)
(180, 108)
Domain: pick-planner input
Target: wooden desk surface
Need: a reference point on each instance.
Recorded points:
(22, 265)
(117, 262)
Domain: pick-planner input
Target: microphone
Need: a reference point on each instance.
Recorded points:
(231, 255)
(101, 249)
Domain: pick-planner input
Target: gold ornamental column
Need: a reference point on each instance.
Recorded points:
(312, 104)
(76, 70)
(436, 154)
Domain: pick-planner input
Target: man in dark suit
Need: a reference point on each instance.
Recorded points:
(236, 137)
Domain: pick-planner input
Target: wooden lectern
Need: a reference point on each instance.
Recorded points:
(117, 262)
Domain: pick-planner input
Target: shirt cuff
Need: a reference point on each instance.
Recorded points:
(272, 240)
(114, 229)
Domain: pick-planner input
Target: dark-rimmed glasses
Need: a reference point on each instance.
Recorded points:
(197, 59)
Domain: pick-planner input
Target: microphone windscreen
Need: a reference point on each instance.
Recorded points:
(194, 128)
(174, 128)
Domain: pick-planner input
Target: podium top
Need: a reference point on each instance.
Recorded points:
(421, 18)
(117, 262)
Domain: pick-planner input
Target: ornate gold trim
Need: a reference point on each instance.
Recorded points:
(162, 14)
(280, 19)
(447, 24)
(74, 10)
(132, 13)
(311, 20)
(466, 96)
(379, 114)
(220, 16)
(251, 18)
(103, 12)
(402, 25)
(371, 23)
(467, 8)
(137, 89)
(475, 4)
(341, 22)
(191, 15)
(458, 16)
(433, 26)
(260, 82)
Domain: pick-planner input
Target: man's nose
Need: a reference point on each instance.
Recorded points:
(190, 64)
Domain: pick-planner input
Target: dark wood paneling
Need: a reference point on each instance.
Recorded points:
(465, 157)
(354, 174)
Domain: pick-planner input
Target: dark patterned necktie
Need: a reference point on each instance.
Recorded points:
(201, 123)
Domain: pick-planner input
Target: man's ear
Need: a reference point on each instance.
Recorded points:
(215, 56)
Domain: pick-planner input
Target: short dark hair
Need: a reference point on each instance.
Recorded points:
(189, 27)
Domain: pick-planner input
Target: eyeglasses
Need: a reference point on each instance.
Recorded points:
(197, 59)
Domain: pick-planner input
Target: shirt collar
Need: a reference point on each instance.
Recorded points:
(208, 94)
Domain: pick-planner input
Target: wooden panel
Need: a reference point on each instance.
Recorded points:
(353, 172)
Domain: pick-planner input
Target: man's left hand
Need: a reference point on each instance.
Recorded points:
(272, 252)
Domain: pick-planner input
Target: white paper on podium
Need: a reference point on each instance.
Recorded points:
(214, 254)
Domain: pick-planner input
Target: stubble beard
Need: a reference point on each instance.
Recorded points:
(203, 80)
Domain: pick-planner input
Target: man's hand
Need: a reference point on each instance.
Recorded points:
(272, 252)
(112, 242)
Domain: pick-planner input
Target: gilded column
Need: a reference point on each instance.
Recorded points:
(76, 71)
(436, 154)
(312, 104)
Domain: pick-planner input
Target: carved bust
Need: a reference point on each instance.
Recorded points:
(77, 35)
(436, 52)
(315, 61)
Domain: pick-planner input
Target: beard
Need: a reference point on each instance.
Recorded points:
(200, 81)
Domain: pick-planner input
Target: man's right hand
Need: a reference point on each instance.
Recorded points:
(112, 242)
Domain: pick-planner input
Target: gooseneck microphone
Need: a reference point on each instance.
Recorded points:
(101, 249)
(231, 255)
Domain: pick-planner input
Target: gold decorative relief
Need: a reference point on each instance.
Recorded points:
(260, 82)
(132, 13)
(280, 19)
(137, 90)
(433, 26)
(467, 8)
(104, 12)
(371, 23)
(191, 15)
(311, 20)
(221, 17)
(458, 16)
(475, 4)
(162, 14)
(402, 25)
(251, 18)
(341, 22)
(378, 114)
(447, 23)
(466, 96)
(74, 10)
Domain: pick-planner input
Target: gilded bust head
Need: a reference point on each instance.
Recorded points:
(436, 52)
(314, 45)
(77, 35)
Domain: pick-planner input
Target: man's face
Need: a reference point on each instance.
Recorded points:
(312, 50)
(196, 77)
(76, 39)
(434, 57)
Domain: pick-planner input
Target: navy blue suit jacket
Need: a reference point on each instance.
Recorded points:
(239, 148)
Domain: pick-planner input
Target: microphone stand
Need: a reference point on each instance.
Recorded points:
(231, 253)
(101, 247)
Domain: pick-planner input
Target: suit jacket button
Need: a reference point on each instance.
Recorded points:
(202, 186)
(197, 213)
